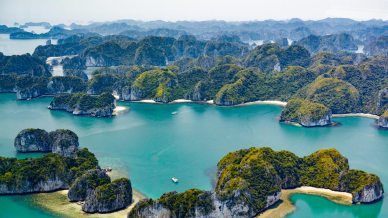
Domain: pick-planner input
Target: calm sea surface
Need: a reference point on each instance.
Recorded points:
(149, 145)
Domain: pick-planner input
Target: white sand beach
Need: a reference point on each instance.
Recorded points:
(149, 101)
(270, 102)
(119, 110)
(286, 207)
(371, 116)
(181, 101)
(57, 203)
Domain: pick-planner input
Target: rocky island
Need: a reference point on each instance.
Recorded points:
(62, 141)
(306, 113)
(383, 120)
(250, 180)
(67, 167)
(84, 104)
(48, 173)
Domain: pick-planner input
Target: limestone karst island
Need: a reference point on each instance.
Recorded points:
(193, 109)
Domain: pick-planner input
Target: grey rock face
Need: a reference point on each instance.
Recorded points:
(96, 62)
(27, 186)
(61, 141)
(125, 93)
(86, 184)
(110, 197)
(135, 94)
(64, 142)
(383, 122)
(155, 210)
(33, 140)
(27, 93)
(382, 99)
(220, 209)
(100, 112)
(369, 194)
(324, 121)
(197, 93)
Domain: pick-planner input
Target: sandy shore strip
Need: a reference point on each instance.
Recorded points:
(58, 203)
(270, 102)
(119, 110)
(371, 116)
(286, 207)
(181, 101)
(148, 101)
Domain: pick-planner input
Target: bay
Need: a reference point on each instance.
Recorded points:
(150, 145)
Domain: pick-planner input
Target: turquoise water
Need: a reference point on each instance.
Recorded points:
(150, 145)
(20, 46)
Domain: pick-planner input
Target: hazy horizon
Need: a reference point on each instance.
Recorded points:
(87, 11)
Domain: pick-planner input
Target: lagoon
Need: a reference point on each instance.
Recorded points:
(150, 145)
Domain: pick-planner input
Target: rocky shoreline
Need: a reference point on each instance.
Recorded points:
(65, 167)
(83, 104)
(247, 193)
(287, 207)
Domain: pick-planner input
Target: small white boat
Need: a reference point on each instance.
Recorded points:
(175, 180)
(174, 113)
(108, 169)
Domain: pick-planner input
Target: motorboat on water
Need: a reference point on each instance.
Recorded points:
(175, 180)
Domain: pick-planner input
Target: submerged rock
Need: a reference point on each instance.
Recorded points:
(86, 184)
(109, 197)
(306, 113)
(33, 140)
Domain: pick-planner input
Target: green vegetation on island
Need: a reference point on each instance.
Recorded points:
(84, 104)
(48, 173)
(250, 180)
(306, 113)
(338, 95)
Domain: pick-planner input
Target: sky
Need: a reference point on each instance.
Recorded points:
(84, 11)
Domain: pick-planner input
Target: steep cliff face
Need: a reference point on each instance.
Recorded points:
(48, 173)
(383, 120)
(61, 141)
(135, 94)
(33, 140)
(364, 187)
(95, 112)
(369, 194)
(84, 104)
(27, 186)
(64, 142)
(86, 184)
(109, 197)
(249, 181)
(23, 94)
(65, 84)
(307, 121)
(96, 62)
(193, 203)
(306, 113)
(147, 208)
